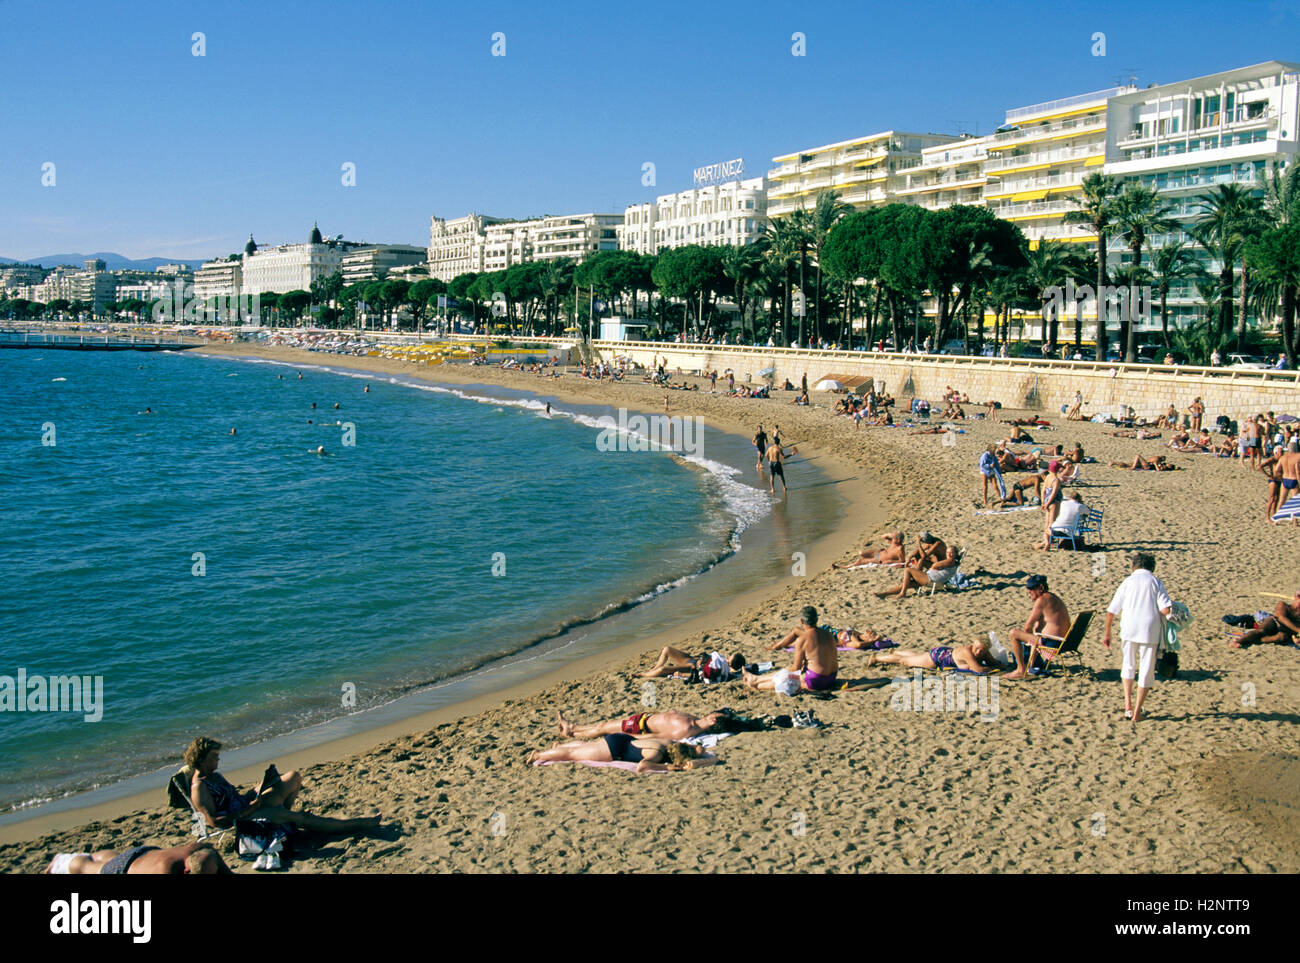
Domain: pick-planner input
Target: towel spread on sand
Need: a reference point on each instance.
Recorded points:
(629, 766)
(874, 565)
(1006, 511)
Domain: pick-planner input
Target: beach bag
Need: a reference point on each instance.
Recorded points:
(257, 836)
(1167, 665)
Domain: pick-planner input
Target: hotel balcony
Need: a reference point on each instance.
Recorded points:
(1007, 162)
(1137, 139)
(1062, 129)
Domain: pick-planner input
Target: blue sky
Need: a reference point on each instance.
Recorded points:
(159, 152)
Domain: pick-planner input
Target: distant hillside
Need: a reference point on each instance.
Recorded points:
(113, 262)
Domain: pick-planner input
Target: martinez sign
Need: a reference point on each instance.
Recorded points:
(720, 173)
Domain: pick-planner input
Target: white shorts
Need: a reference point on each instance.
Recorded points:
(1139, 662)
(941, 576)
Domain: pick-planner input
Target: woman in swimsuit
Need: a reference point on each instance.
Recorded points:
(649, 754)
(221, 804)
(1051, 500)
(973, 658)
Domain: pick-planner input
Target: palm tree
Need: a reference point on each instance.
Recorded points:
(744, 265)
(801, 225)
(1048, 267)
(1139, 213)
(1226, 215)
(1170, 265)
(782, 251)
(827, 209)
(1096, 210)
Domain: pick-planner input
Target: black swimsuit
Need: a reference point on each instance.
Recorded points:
(621, 748)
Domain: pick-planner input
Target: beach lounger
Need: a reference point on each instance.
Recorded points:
(1070, 643)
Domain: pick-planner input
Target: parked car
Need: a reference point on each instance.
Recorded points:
(955, 346)
(1247, 361)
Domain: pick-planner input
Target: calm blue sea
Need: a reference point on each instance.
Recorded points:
(459, 527)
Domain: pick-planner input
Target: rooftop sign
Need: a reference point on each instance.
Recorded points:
(720, 173)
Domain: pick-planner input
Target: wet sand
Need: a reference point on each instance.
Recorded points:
(1056, 781)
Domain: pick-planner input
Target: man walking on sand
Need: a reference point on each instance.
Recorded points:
(1049, 616)
(1142, 603)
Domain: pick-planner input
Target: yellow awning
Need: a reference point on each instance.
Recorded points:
(1029, 195)
(1095, 161)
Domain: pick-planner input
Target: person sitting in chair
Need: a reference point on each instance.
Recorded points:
(221, 804)
(1049, 616)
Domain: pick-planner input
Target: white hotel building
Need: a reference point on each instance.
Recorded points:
(485, 244)
(289, 267)
(731, 214)
(1185, 138)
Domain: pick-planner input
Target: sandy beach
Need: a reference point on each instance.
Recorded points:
(1054, 780)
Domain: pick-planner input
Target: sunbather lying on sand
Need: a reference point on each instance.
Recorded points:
(1141, 434)
(1141, 464)
(676, 662)
(650, 755)
(1280, 628)
(198, 858)
(662, 725)
(974, 658)
(892, 553)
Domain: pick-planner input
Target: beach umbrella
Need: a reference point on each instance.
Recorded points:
(767, 371)
(828, 384)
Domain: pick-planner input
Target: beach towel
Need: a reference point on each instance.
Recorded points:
(708, 740)
(875, 565)
(1290, 511)
(629, 766)
(1006, 511)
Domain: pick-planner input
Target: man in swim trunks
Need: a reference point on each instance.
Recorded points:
(674, 726)
(1279, 629)
(815, 659)
(1049, 616)
(760, 443)
(199, 858)
(1289, 468)
(776, 466)
(933, 561)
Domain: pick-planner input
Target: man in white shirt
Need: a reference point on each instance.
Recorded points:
(1142, 603)
(1071, 509)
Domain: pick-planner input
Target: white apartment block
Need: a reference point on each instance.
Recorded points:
(453, 244)
(731, 214)
(865, 172)
(1038, 159)
(945, 175)
(91, 286)
(218, 279)
(1185, 138)
(289, 267)
(374, 261)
